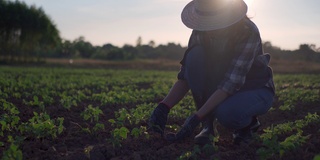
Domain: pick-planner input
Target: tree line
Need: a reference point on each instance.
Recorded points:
(80, 48)
(25, 31)
(305, 52)
(27, 34)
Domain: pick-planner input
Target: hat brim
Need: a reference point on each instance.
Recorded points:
(234, 13)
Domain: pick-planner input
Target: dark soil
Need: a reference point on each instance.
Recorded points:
(76, 144)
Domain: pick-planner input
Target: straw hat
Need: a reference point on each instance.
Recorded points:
(206, 15)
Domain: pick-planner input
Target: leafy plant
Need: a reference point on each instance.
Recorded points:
(98, 127)
(118, 134)
(10, 118)
(40, 125)
(191, 154)
(68, 101)
(135, 132)
(91, 113)
(13, 152)
(273, 146)
(317, 157)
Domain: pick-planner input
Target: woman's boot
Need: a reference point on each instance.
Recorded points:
(207, 125)
(207, 132)
(245, 135)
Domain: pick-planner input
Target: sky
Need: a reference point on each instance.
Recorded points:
(285, 23)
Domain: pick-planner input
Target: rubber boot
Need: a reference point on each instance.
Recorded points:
(207, 126)
(208, 131)
(245, 135)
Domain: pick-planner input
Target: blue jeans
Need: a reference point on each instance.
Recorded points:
(236, 111)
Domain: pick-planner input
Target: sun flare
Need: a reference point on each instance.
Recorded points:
(248, 2)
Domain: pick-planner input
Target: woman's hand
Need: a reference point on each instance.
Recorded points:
(187, 128)
(159, 118)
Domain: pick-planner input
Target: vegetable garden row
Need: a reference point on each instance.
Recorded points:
(73, 113)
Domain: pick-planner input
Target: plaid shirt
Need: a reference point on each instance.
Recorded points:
(249, 52)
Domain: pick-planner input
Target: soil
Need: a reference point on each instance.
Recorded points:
(75, 144)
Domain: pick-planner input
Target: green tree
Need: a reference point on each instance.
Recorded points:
(131, 52)
(139, 41)
(25, 31)
(84, 48)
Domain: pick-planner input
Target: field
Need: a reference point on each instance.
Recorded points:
(81, 113)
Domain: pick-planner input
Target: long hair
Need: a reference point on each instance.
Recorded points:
(233, 35)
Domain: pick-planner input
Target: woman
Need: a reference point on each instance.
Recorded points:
(225, 69)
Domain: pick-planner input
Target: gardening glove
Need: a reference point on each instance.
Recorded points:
(158, 118)
(187, 128)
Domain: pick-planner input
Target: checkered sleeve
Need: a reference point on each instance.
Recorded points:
(235, 76)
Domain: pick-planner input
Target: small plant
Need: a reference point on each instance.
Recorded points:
(200, 152)
(118, 134)
(40, 125)
(35, 102)
(68, 101)
(272, 145)
(9, 120)
(135, 132)
(13, 151)
(98, 127)
(317, 157)
(292, 142)
(91, 113)
(191, 154)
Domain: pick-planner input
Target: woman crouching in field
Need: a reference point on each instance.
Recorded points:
(225, 69)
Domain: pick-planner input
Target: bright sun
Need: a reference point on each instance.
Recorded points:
(248, 2)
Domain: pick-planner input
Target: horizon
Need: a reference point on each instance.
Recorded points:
(285, 25)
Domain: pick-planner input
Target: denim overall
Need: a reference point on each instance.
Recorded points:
(204, 73)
